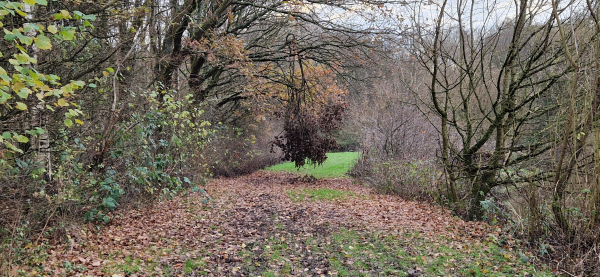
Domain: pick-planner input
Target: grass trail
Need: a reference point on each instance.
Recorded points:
(266, 224)
(336, 165)
(272, 223)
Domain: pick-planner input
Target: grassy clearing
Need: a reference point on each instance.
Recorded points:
(336, 165)
(317, 194)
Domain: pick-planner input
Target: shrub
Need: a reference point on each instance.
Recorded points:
(233, 152)
(409, 179)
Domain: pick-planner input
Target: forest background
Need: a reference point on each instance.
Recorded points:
(491, 109)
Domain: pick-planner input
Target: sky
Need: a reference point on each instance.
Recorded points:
(486, 13)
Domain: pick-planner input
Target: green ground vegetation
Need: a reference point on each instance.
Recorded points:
(336, 165)
(357, 253)
(318, 194)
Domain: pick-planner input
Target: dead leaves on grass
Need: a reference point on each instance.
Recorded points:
(251, 227)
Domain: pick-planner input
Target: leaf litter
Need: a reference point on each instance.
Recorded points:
(253, 228)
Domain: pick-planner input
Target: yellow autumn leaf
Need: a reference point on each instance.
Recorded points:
(22, 58)
(18, 86)
(21, 13)
(52, 29)
(21, 138)
(42, 42)
(65, 14)
(21, 106)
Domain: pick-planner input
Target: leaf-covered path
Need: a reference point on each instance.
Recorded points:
(268, 224)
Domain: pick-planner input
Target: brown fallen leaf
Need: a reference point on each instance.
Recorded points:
(247, 211)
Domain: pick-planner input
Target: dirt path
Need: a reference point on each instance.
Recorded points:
(255, 226)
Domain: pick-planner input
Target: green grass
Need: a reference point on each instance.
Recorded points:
(193, 265)
(317, 194)
(354, 253)
(336, 165)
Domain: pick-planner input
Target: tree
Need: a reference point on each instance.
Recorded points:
(151, 70)
(582, 107)
(26, 93)
(494, 86)
(386, 115)
(216, 46)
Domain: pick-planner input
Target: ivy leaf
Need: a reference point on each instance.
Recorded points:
(68, 122)
(21, 106)
(29, 2)
(61, 102)
(109, 202)
(42, 2)
(43, 42)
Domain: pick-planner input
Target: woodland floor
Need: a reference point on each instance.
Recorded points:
(271, 224)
